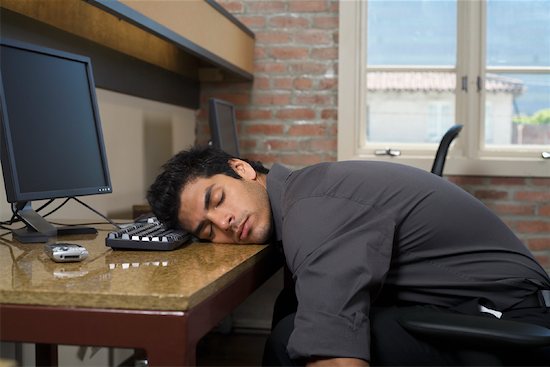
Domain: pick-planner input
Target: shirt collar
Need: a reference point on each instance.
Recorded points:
(276, 179)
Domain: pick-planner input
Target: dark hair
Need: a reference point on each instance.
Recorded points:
(198, 162)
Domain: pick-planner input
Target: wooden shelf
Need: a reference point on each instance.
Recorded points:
(180, 36)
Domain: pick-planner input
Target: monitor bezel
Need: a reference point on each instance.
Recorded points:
(9, 166)
(215, 126)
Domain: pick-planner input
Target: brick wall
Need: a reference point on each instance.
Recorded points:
(289, 113)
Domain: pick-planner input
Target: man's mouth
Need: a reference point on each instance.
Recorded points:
(243, 229)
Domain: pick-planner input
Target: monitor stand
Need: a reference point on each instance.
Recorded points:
(39, 229)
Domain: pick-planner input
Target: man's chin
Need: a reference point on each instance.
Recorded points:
(262, 237)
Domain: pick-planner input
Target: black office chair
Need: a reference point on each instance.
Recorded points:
(441, 154)
(476, 330)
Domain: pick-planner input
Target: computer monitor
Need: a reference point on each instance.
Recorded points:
(223, 126)
(52, 143)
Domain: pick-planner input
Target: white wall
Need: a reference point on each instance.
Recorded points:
(140, 135)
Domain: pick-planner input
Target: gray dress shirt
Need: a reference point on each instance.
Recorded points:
(357, 232)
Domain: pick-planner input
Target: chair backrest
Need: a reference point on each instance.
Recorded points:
(441, 154)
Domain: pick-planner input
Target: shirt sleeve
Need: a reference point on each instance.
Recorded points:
(339, 257)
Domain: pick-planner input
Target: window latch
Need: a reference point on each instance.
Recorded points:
(388, 151)
(545, 155)
(465, 83)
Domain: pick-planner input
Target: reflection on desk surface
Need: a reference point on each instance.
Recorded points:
(158, 280)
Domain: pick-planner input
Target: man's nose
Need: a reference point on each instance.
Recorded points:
(223, 219)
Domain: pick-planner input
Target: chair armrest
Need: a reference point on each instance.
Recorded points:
(475, 329)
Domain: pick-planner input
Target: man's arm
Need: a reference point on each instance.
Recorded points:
(337, 362)
(338, 262)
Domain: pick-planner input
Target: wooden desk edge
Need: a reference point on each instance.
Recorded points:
(161, 333)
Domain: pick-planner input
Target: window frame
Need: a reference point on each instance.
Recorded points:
(468, 154)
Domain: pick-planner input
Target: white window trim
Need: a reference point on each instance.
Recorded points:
(467, 156)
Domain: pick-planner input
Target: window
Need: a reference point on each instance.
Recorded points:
(411, 69)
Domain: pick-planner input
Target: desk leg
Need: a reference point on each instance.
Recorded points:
(46, 354)
(173, 343)
(183, 356)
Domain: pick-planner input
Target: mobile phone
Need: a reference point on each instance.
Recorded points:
(66, 252)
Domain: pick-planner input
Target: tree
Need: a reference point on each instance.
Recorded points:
(541, 117)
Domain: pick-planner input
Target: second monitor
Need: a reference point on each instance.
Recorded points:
(223, 126)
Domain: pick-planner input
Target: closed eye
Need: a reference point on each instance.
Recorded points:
(222, 198)
(211, 232)
(207, 231)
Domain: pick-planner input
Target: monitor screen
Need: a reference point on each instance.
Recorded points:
(223, 126)
(52, 142)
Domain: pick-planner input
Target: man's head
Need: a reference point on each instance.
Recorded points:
(213, 195)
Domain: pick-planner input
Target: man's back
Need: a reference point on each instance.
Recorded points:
(445, 246)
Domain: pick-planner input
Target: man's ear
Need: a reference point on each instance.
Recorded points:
(243, 169)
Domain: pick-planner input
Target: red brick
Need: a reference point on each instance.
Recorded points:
(325, 145)
(272, 37)
(334, 6)
(259, 53)
(539, 244)
(307, 6)
(262, 83)
(231, 6)
(541, 182)
(326, 22)
(315, 99)
(545, 210)
(288, 53)
(253, 22)
(282, 144)
(326, 84)
(534, 226)
(296, 114)
(267, 129)
(467, 180)
(271, 99)
(269, 67)
(326, 53)
(309, 68)
(266, 6)
(302, 83)
(307, 130)
(288, 22)
(254, 114)
(313, 37)
(332, 130)
(508, 181)
(490, 194)
(329, 114)
(514, 209)
(282, 83)
(532, 196)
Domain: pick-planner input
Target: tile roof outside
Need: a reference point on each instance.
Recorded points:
(433, 81)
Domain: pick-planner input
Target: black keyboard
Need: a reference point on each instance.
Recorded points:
(149, 235)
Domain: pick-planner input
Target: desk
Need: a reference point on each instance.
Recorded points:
(160, 302)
